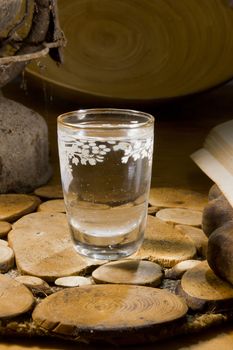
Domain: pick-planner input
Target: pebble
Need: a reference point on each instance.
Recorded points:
(73, 281)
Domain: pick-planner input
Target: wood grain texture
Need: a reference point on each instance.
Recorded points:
(112, 55)
(202, 289)
(105, 312)
(137, 272)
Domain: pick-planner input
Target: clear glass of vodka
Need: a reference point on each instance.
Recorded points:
(105, 161)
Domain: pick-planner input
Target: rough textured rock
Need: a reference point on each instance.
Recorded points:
(220, 251)
(216, 214)
(24, 162)
(9, 10)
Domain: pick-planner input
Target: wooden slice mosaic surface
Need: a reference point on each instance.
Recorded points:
(91, 310)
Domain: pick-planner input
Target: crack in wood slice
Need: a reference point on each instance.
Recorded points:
(15, 299)
(180, 216)
(169, 197)
(129, 272)
(14, 206)
(164, 244)
(203, 290)
(107, 311)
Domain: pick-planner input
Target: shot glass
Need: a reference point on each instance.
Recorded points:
(105, 161)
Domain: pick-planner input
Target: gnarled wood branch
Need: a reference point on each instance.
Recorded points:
(44, 26)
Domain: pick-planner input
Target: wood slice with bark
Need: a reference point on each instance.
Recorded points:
(164, 244)
(137, 272)
(126, 314)
(33, 283)
(203, 290)
(15, 299)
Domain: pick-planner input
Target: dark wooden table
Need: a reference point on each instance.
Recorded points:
(180, 129)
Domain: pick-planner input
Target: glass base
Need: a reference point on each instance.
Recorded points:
(107, 252)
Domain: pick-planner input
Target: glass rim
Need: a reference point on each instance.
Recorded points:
(149, 119)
